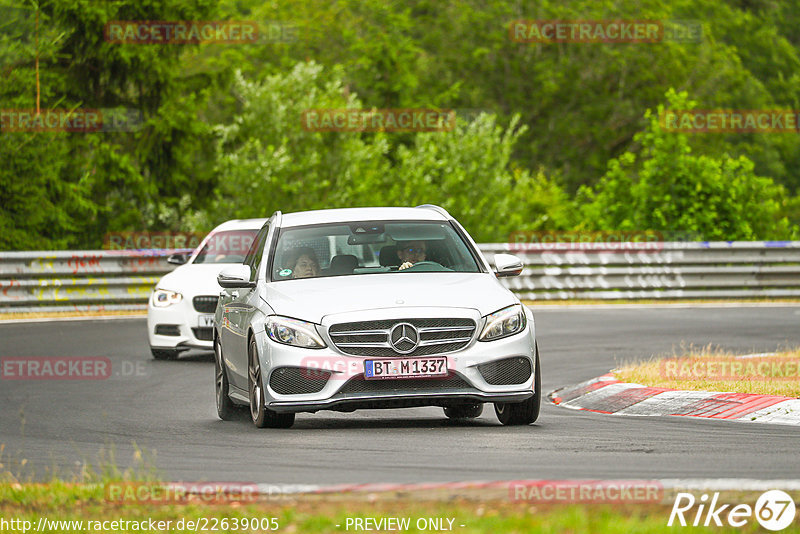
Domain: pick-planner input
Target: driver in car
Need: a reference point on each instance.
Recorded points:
(411, 252)
(304, 263)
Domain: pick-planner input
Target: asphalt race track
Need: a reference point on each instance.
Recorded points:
(167, 409)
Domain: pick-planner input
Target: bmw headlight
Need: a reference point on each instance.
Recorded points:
(293, 332)
(504, 323)
(163, 298)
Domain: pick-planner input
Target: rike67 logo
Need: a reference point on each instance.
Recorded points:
(774, 510)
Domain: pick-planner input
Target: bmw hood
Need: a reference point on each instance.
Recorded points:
(192, 280)
(313, 299)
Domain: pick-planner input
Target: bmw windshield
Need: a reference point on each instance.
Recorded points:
(226, 247)
(369, 247)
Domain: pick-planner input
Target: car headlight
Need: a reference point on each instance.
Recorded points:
(293, 332)
(163, 298)
(504, 323)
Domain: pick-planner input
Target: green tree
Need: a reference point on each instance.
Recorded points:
(665, 187)
(468, 171)
(132, 180)
(267, 160)
(45, 193)
(43, 203)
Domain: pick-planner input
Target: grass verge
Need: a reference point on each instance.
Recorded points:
(100, 494)
(715, 370)
(322, 514)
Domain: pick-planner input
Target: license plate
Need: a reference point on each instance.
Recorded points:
(205, 321)
(405, 368)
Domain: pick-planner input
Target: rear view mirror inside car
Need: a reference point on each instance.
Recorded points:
(366, 239)
(415, 232)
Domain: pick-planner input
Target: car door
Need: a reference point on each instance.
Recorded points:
(239, 305)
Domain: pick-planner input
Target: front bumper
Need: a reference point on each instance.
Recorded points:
(398, 400)
(346, 389)
(187, 327)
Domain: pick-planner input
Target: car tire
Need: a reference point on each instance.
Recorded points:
(226, 409)
(466, 411)
(164, 354)
(527, 411)
(261, 416)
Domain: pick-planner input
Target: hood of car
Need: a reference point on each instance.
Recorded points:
(194, 279)
(313, 299)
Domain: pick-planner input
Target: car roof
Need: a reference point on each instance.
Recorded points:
(421, 213)
(240, 224)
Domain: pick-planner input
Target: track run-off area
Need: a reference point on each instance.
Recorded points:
(166, 409)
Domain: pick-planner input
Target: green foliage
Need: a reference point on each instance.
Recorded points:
(267, 161)
(42, 211)
(582, 103)
(791, 210)
(668, 188)
(468, 172)
(68, 190)
(562, 143)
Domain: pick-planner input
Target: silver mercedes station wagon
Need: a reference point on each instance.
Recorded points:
(368, 308)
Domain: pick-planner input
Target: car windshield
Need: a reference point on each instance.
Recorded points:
(370, 247)
(226, 247)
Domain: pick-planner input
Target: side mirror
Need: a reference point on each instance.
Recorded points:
(507, 265)
(235, 276)
(177, 259)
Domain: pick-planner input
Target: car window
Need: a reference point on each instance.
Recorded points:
(370, 247)
(256, 253)
(226, 247)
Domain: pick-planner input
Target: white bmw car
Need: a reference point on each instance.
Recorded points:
(180, 312)
(369, 308)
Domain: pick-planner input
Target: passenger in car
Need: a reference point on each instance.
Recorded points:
(411, 252)
(304, 263)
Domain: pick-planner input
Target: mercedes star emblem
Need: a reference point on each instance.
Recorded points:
(404, 338)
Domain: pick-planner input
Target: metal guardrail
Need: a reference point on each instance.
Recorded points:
(123, 279)
(80, 280)
(654, 270)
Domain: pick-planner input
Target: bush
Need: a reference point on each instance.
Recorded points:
(667, 188)
(267, 161)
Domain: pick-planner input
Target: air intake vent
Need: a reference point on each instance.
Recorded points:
(205, 303)
(168, 330)
(298, 380)
(506, 372)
